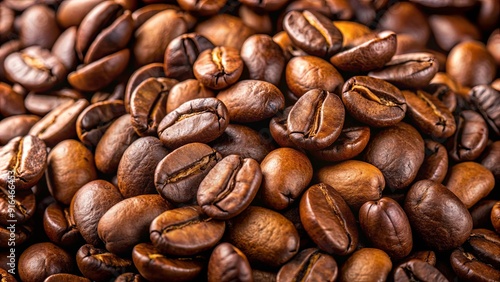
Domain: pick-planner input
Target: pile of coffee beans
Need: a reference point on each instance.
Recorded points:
(249, 140)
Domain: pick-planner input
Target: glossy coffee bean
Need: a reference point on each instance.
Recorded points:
(485, 245)
(20, 207)
(70, 165)
(229, 187)
(435, 165)
(100, 265)
(309, 265)
(200, 120)
(264, 236)
(41, 260)
(481, 213)
(495, 216)
(130, 277)
(157, 267)
(228, 263)
(71, 13)
(470, 138)
(386, 225)
(6, 49)
(316, 119)
(219, 67)
(470, 182)
(364, 263)
(417, 270)
(356, 181)
(178, 175)
(66, 277)
(457, 29)
(186, 90)
(139, 76)
(89, 204)
(21, 234)
(327, 219)
(470, 64)
(14, 126)
(11, 102)
(278, 128)
(486, 101)
(136, 168)
(442, 227)
(225, 30)
(469, 268)
(143, 14)
(22, 162)
(313, 33)
(42, 103)
(373, 101)
(64, 48)
(168, 231)
(406, 18)
(60, 226)
(134, 215)
(38, 27)
(425, 256)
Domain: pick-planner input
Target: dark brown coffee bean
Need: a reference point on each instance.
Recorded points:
(71, 13)
(485, 245)
(60, 123)
(493, 43)
(228, 263)
(372, 54)
(417, 270)
(264, 236)
(148, 104)
(11, 102)
(470, 182)
(136, 168)
(452, 30)
(373, 101)
(42, 103)
(89, 204)
(406, 18)
(157, 267)
(425, 256)
(400, 161)
(305, 73)
(6, 49)
(143, 14)
(130, 277)
(7, 17)
(15, 234)
(182, 52)
(356, 181)
(252, 100)
(19, 206)
(470, 138)
(278, 127)
(364, 263)
(313, 33)
(178, 175)
(435, 165)
(328, 220)
(350, 143)
(206, 8)
(225, 30)
(38, 27)
(100, 265)
(66, 277)
(444, 93)
(316, 120)
(469, 268)
(385, 224)
(268, 5)
(495, 216)
(199, 120)
(309, 265)
(219, 67)
(134, 216)
(34, 68)
(41, 260)
(229, 187)
(429, 115)
(481, 213)
(442, 227)
(470, 64)
(22, 162)
(60, 226)
(168, 231)
(486, 100)
(491, 159)
(140, 75)
(289, 50)
(186, 90)
(96, 119)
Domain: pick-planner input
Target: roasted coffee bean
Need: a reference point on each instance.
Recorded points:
(34, 68)
(186, 90)
(143, 14)
(493, 43)
(6, 22)
(429, 115)
(60, 123)
(5, 50)
(60, 226)
(113, 143)
(264, 236)
(442, 227)
(309, 265)
(89, 204)
(387, 227)
(228, 263)
(178, 175)
(356, 181)
(350, 143)
(71, 13)
(485, 245)
(425, 256)
(157, 267)
(486, 100)
(198, 120)
(286, 173)
(327, 219)
(316, 120)
(16, 234)
(351, 32)
(129, 277)
(372, 54)
(42, 103)
(207, 8)
(413, 70)
(140, 75)
(6, 276)
(400, 161)
(38, 27)
(148, 104)
(470, 138)
(366, 264)
(469, 268)
(260, 22)
(19, 206)
(470, 64)
(406, 18)
(435, 165)
(495, 216)
(22, 162)
(252, 100)
(66, 277)
(452, 30)
(134, 216)
(219, 67)
(100, 265)
(288, 49)
(70, 165)
(278, 128)
(41, 260)
(313, 32)
(417, 270)
(229, 187)
(373, 101)
(136, 168)
(225, 30)
(168, 231)
(305, 73)
(470, 182)
(96, 119)
(11, 102)
(444, 93)
(267, 5)
(182, 52)
(14, 126)
(481, 214)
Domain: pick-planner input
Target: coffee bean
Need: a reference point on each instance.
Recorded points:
(366, 262)
(310, 264)
(42, 103)
(186, 90)
(143, 14)
(65, 277)
(225, 30)
(475, 68)
(417, 270)
(58, 261)
(129, 276)
(470, 182)
(38, 27)
(219, 67)
(481, 214)
(14, 126)
(60, 226)
(140, 75)
(64, 48)
(21, 207)
(425, 256)
(470, 138)
(100, 265)
(495, 216)
(228, 263)
(435, 165)
(486, 100)
(5, 50)
(469, 268)
(11, 102)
